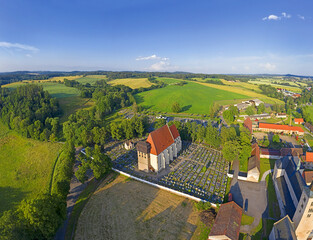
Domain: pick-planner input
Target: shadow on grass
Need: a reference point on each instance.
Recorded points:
(186, 108)
(9, 198)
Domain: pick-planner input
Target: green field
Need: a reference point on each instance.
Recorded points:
(25, 167)
(55, 89)
(192, 97)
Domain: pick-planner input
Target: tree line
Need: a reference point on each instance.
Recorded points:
(30, 111)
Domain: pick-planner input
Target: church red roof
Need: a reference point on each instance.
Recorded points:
(162, 138)
(174, 131)
(280, 127)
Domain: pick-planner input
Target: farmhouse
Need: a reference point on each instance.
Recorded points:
(298, 120)
(160, 148)
(294, 197)
(254, 164)
(227, 222)
(277, 128)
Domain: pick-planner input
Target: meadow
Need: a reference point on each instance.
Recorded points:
(56, 90)
(132, 82)
(26, 167)
(192, 97)
(91, 79)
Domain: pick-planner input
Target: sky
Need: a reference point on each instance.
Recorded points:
(201, 36)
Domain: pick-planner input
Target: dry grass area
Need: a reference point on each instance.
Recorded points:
(128, 209)
(132, 82)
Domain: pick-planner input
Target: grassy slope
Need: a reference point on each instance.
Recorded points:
(25, 167)
(242, 90)
(91, 79)
(192, 97)
(132, 82)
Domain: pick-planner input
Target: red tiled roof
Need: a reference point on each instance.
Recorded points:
(273, 152)
(228, 221)
(162, 138)
(280, 127)
(308, 176)
(300, 120)
(174, 131)
(309, 157)
(248, 124)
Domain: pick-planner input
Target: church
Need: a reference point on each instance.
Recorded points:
(160, 148)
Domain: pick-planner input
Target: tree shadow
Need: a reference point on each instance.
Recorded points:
(10, 197)
(185, 108)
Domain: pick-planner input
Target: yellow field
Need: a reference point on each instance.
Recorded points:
(243, 91)
(132, 82)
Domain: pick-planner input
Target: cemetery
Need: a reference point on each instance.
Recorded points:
(199, 171)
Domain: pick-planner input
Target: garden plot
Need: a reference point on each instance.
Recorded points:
(199, 171)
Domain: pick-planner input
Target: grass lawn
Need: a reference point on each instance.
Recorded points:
(266, 164)
(309, 110)
(56, 90)
(25, 167)
(132, 82)
(309, 138)
(273, 207)
(246, 220)
(192, 97)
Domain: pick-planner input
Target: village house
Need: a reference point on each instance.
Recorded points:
(308, 160)
(281, 115)
(278, 128)
(160, 148)
(227, 222)
(298, 120)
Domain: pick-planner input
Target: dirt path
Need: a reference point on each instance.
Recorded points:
(76, 189)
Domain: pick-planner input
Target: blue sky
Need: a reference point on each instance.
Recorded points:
(208, 36)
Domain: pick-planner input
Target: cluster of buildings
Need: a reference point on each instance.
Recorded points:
(287, 93)
(245, 104)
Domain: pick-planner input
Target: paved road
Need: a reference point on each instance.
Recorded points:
(254, 193)
(76, 189)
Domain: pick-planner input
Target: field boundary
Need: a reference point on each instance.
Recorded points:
(53, 170)
(163, 188)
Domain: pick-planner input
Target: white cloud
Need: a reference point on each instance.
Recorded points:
(301, 17)
(271, 17)
(285, 15)
(267, 66)
(18, 46)
(276, 18)
(152, 57)
(159, 66)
